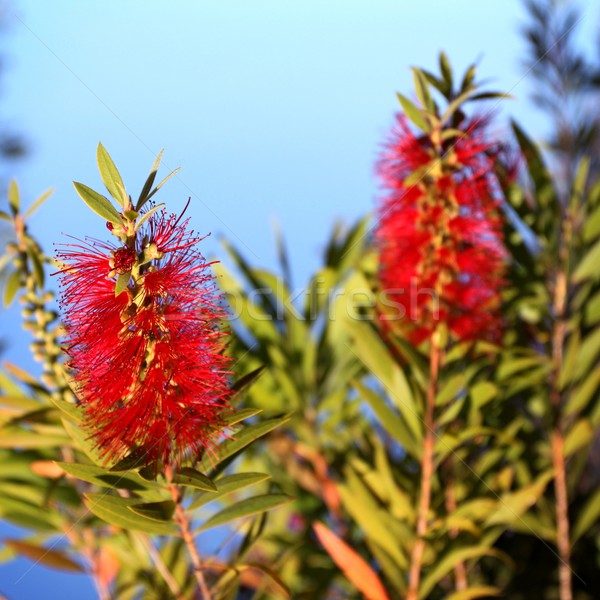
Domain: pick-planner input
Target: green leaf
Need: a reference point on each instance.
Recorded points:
(482, 392)
(122, 282)
(422, 89)
(38, 268)
(227, 485)
(588, 267)
(587, 516)
(455, 104)
(13, 283)
(372, 352)
(38, 202)
(446, 71)
(117, 511)
(588, 353)
(513, 504)
(45, 556)
(579, 435)
(155, 511)
(371, 518)
(480, 591)
(451, 389)
(147, 215)
(107, 479)
(111, 177)
(444, 565)
(245, 508)
(229, 448)
(71, 410)
(163, 183)
(390, 420)
(239, 414)
(414, 113)
(192, 478)
(98, 203)
(5, 216)
(149, 182)
(585, 391)
(29, 440)
(14, 200)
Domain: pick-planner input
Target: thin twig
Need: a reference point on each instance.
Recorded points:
(188, 538)
(416, 560)
(161, 567)
(557, 438)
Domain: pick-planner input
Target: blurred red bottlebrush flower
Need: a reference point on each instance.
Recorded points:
(148, 363)
(440, 233)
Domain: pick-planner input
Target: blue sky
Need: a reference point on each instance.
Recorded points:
(274, 109)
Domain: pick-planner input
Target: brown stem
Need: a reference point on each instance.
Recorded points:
(557, 440)
(460, 572)
(188, 538)
(414, 575)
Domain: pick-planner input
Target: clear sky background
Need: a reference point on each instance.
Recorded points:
(275, 109)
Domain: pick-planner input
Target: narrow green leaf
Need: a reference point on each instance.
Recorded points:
(98, 203)
(588, 267)
(247, 380)
(163, 182)
(5, 216)
(227, 485)
(122, 282)
(513, 504)
(192, 478)
(38, 202)
(111, 177)
(38, 268)
(147, 215)
(245, 508)
(240, 440)
(30, 440)
(444, 565)
(468, 79)
(480, 591)
(239, 415)
(446, 71)
(13, 283)
(455, 104)
(451, 389)
(149, 182)
(390, 420)
(107, 479)
(116, 511)
(482, 392)
(422, 89)
(155, 511)
(71, 410)
(586, 517)
(14, 199)
(45, 556)
(414, 113)
(579, 436)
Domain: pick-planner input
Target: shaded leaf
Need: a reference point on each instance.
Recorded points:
(45, 556)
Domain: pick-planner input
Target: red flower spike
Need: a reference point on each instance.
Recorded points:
(440, 238)
(148, 364)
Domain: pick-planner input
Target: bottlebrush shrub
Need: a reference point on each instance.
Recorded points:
(439, 227)
(143, 330)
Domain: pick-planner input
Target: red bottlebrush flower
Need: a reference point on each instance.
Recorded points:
(148, 363)
(440, 233)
